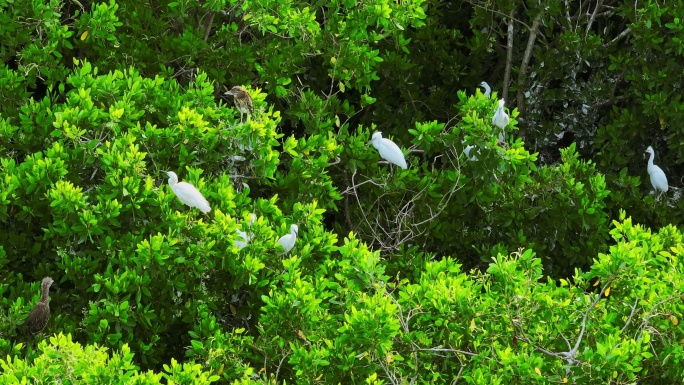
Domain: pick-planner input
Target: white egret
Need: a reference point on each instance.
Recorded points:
(658, 178)
(288, 240)
(467, 150)
(187, 193)
(501, 120)
(243, 238)
(388, 150)
(488, 90)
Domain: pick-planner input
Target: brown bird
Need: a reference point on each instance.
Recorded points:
(39, 316)
(242, 100)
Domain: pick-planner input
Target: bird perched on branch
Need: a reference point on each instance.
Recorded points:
(501, 120)
(388, 150)
(242, 100)
(288, 240)
(467, 151)
(39, 316)
(243, 238)
(658, 178)
(187, 193)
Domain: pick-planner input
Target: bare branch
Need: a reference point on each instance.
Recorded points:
(509, 55)
(651, 314)
(636, 301)
(207, 30)
(280, 364)
(458, 376)
(571, 353)
(524, 66)
(452, 351)
(593, 16)
(620, 36)
(568, 356)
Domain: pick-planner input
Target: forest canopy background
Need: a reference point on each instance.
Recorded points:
(532, 262)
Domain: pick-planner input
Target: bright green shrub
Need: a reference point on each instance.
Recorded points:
(62, 360)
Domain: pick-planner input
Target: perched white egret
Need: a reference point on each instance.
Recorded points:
(501, 120)
(658, 178)
(467, 150)
(488, 90)
(388, 150)
(243, 238)
(288, 240)
(187, 193)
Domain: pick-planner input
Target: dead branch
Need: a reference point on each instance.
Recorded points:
(593, 16)
(618, 37)
(524, 66)
(509, 55)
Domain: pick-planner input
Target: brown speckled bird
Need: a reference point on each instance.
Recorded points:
(242, 100)
(39, 316)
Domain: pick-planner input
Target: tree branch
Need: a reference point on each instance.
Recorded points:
(524, 66)
(593, 16)
(207, 30)
(620, 36)
(629, 320)
(509, 55)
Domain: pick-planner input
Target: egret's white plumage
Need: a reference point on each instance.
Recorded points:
(288, 240)
(187, 193)
(243, 238)
(658, 178)
(467, 150)
(388, 150)
(488, 90)
(501, 120)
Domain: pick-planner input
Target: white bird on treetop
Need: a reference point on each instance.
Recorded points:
(488, 90)
(658, 178)
(244, 238)
(187, 193)
(288, 240)
(388, 150)
(500, 119)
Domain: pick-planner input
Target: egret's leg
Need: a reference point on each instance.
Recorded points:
(503, 144)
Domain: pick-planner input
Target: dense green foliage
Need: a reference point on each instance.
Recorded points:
(522, 265)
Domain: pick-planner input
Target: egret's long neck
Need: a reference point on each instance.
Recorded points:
(650, 159)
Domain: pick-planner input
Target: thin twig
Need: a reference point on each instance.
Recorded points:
(449, 351)
(279, 365)
(629, 320)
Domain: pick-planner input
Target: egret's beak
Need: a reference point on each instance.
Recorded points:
(229, 93)
(296, 233)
